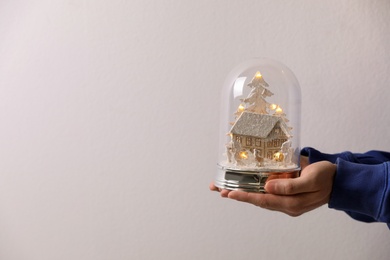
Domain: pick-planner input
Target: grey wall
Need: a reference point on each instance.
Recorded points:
(109, 123)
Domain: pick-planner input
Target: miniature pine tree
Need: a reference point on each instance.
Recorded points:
(256, 99)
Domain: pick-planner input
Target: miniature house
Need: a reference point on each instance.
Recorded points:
(260, 134)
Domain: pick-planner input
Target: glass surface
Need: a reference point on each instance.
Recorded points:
(259, 121)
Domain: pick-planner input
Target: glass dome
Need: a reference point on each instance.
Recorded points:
(259, 126)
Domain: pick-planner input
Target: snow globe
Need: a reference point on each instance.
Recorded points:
(259, 126)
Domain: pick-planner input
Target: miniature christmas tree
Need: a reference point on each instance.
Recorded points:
(256, 98)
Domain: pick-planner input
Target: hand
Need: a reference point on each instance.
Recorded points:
(292, 196)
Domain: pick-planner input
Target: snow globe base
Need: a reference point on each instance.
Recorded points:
(250, 181)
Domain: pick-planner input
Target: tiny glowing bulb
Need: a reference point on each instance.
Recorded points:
(278, 157)
(258, 74)
(244, 155)
(273, 106)
(279, 110)
(241, 108)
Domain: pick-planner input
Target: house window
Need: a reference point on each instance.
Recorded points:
(249, 141)
(258, 142)
(238, 139)
(269, 144)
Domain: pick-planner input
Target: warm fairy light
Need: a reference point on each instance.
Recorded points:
(258, 74)
(278, 156)
(279, 110)
(243, 155)
(273, 106)
(241, 108)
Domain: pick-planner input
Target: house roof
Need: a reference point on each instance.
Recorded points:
(257, 125)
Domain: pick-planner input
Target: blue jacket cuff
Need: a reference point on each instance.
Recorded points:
(361, 184)
(360, 189)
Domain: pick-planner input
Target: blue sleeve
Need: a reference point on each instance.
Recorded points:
(361, 185)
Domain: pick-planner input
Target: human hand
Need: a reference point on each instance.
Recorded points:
(292, 196)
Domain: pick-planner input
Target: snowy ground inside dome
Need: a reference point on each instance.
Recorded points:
(270, 166)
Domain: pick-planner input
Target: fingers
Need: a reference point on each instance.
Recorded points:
(212, 187)
(257, 199)
(291, 205)
(314, 177)
(223, 193)
(266, 201)
(289, 186)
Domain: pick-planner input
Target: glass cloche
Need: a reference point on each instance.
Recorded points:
(259, 126)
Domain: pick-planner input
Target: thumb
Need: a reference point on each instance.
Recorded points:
(287, 186)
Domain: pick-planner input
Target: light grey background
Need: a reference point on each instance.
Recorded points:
(109, 117)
